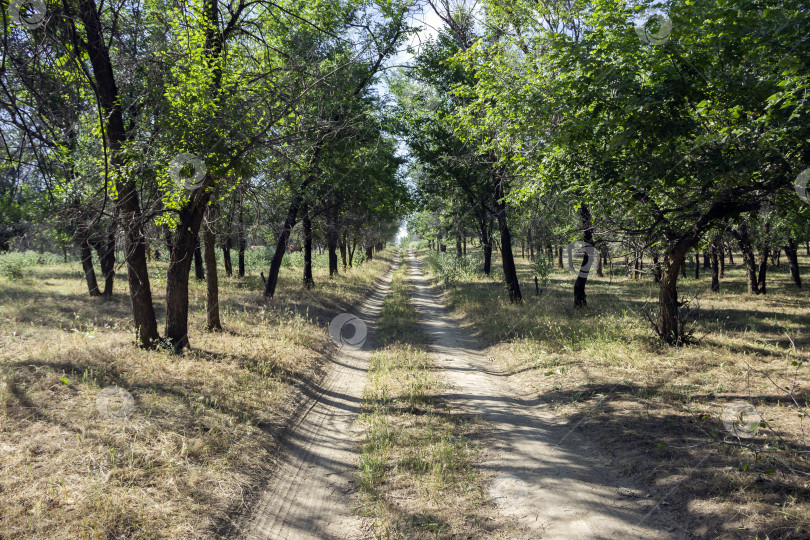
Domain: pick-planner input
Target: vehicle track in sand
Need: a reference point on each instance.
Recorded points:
(543, 480)
(309, 495)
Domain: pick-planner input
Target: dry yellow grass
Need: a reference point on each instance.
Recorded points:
(204, 427)
(656, 411)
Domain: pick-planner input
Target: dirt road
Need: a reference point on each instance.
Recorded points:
(310, 494)
(543, 480)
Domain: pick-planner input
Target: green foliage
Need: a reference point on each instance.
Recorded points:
(542, 268)
(453, 269)
(14, 263)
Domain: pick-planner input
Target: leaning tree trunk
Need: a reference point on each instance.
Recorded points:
(580, 299)
(792, 254)
(507, 259)
(281, 245)
(307, 280)
(212, 285)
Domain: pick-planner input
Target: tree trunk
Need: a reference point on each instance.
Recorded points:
(458, 246)
(308, 281)
(721, 252)
(281, 246)
(212, 284)
(706, 260)
(369, 253)
(599, 264)
(589, 252)
(343, 240)
(485, 232)
(241, 238)
(668, 321)
(199, 272)
(715, 268)
(184, 242)
(351, 251)
(507, 259)
(127, 201)
(763, 259)
(106, 256)
(226, 255)
(744, 241)
(464, 247)
(332, 239)
(86, 255)
(792, 254)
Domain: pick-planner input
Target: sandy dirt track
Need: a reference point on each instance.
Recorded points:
(310, 493)
(543, 479)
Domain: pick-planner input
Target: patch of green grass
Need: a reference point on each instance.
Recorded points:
(417, 466)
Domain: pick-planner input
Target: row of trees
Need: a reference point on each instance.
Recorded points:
(669, 129)
(187, 122)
